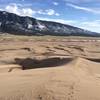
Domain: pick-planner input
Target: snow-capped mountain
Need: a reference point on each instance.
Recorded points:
(14, 24)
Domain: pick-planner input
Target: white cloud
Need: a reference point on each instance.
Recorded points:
(57, 14)
(49, 12)
(56, 3)
(95, 11)
(91, 25)
(14, 8)
(24, 10)
(71, 22)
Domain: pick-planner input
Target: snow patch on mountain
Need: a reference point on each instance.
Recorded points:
(30, 26)
(0, 24)
(40, 26)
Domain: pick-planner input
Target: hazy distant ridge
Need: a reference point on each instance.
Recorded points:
(14, 24)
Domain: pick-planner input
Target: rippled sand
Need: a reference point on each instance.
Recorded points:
(49, 68)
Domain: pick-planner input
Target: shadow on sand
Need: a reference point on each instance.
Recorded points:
(94, 59)
(29, 63)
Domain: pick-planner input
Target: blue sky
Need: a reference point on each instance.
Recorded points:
(80, 13)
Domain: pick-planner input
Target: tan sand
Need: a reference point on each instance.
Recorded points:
(58, 71)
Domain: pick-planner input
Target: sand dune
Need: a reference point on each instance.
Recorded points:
(50, 70)
(75, 80)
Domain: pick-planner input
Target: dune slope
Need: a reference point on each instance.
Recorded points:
(75, 80)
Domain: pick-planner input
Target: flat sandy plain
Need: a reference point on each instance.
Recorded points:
(49, 68)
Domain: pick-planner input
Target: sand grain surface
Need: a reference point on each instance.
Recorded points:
(49, 70)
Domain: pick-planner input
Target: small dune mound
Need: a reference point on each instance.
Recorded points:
(29, 63)
(87, 66)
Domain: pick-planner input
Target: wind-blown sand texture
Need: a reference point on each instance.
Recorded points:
(49, 68)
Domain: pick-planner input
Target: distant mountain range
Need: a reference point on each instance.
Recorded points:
(18, 25)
